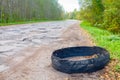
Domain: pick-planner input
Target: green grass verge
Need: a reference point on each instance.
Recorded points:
(24, 22)
(104, 39)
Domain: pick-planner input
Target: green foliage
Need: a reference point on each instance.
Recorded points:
(111, 15)
(104, 39)
(25, 10)
(93, 12)
(97, 10)
(102, 13)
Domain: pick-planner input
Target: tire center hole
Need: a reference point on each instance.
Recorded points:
(77, 58)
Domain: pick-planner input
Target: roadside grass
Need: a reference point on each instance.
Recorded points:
(25, 22)
(105, 39)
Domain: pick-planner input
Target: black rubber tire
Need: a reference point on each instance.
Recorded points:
(81, 66)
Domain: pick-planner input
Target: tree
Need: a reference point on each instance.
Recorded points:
(23, 10)
(102, 13)
(93, 10)
(112, 15)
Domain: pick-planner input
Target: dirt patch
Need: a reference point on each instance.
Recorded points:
(110, 73)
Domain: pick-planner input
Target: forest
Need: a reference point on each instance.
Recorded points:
(104, 14)
(25, 10)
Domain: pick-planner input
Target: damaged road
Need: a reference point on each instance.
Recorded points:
(25, 50)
